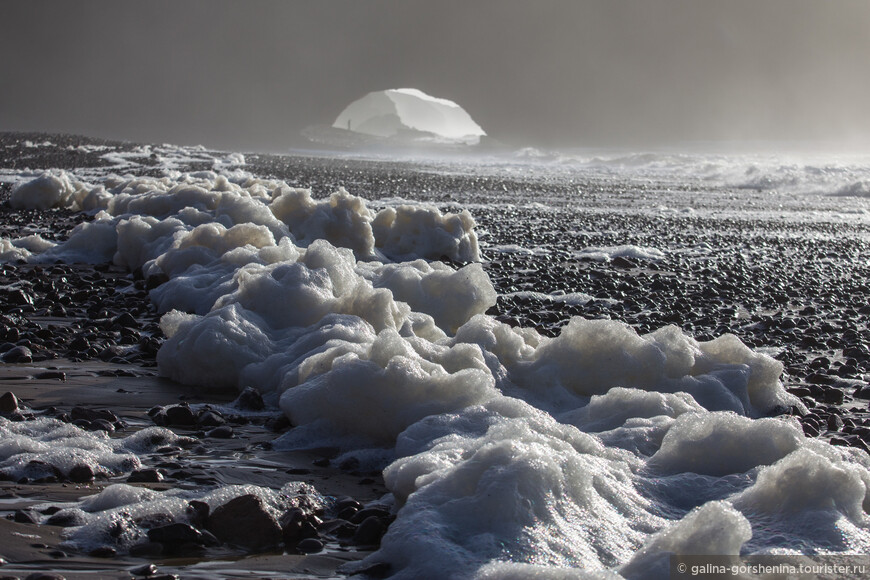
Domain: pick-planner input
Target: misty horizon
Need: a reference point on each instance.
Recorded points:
(253, 76)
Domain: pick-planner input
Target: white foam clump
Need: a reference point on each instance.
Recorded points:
(57, 189)
(607, 253)
(342, 219)
(590, 357)
(722, 443)
(275, 316)
(714, 529)
(23, 248)
(47, 447)
(509, 483)
(451, 297)
(89, 242)
(417, 230)
(814, 492)
(159, 209)
(46, 191)
(121, 515)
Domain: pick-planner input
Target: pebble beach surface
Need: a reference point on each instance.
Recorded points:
(786, 273)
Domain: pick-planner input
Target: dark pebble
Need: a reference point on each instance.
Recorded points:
(81, 474)
(66, 519)
(8, 402)
(92, 414)
(102, 425)
(19, 354)
(222, 432)
(103, 552)
(51, 375)
(337, 528)
(366, 513)
(197, 513)
(309, 546)
(25, 517)
(278, 424)
(370, 532)
(833, 396)
(125, 320)
(177, 533)
(244, 521)
(146, 570)
(801, 392)
(180, 415)
(296, 526)
(249, 399)
(210, 419)
(145, 476)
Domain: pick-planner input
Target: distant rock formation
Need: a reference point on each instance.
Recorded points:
(400, 116)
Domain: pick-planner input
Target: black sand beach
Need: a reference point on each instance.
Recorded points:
(85, 337)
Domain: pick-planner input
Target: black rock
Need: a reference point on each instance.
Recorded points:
(146, 570)
(81, 473)
(49, 375)
(209, 419)
(103, 552)
(155, 280)
(177, 533)
(102, 425)
(111, 353)
(180, 415)
(278, 424)
(89, 414)
(25, 517)
(337, 528)
(309, 546)
(370, 532)
(366, 513)
(620, 262)
(222, 432)
(66, 519)
(801, 392)
(347, 513)
(244, 521)
(19, 298)
(145, 476)
(296, 526)
(197, 513)
(249, 399)
(125, 320)
(19, 354)
(833, 396)
(8, 402)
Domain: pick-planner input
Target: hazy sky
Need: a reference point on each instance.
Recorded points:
(251, 74)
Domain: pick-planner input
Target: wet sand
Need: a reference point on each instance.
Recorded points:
(244, 459)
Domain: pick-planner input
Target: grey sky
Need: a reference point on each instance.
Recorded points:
(251, 74)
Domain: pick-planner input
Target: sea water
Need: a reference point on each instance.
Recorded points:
(597, 452)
